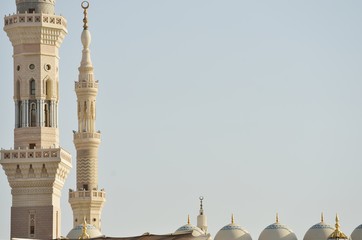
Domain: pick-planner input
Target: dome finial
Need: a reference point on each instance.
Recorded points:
(201, 206)
(322, 217)
(277, 218)
(337, 234)
(84, 230)
(232, 219)
(85, 6)
(337, 222)
(188, 219)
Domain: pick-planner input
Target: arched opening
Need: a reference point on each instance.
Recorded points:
(17, 91)
(48, 89)
(32, 87)
(46, 115)
(32, 115)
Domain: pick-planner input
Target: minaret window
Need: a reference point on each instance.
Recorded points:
(32, 87)
(17, 93)
(46, 115)
(31, 10)
(45, 88)
(32, 223)
(33, 115)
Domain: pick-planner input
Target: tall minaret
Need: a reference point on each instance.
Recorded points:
(87, 200)
(201, 218)
(37, 167)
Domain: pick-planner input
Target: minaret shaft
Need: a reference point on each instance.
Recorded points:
(87, 200)
(37, 167)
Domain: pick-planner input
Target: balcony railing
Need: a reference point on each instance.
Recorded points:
(82, 135)
(40, 18)
(87, 194)
(86, 84)
(35, 154)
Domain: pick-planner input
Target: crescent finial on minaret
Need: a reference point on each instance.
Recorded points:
(85, 6)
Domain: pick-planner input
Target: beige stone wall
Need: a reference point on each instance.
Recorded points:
(42, 137)
(44, 218)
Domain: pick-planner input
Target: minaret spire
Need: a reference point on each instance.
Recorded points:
(87, 198)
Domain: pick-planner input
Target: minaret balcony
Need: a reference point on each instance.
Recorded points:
(23, 28)
(31, 19)
(34, 155)
(90, 84)
(85, 135)
(91, 195)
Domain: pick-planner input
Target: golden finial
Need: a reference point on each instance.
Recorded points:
(337, 222)
(277, 218)
(337, 234)
(188, 219)
(85, 6)
(201, 206)
(322, 217)
(232, 219)
(84, 230)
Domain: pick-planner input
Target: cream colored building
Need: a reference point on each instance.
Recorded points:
(37, 166)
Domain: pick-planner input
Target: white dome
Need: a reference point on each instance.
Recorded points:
(277, 231)
(357, 233)
(232, 232)
(92, 231)
(190, 228)
(319, 231)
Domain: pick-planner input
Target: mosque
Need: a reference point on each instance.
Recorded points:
(37, 166)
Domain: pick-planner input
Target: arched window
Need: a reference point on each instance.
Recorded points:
(49, 88)
(33, 115)
(46, 115)
(17, 92)
(32, 87)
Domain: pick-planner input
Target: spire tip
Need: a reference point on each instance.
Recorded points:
(85, 6)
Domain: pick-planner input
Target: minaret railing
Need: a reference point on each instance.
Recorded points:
(41, 18)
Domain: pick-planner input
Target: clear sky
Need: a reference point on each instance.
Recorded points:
(256, 105)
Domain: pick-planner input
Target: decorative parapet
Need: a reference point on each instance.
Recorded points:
(87, 195)
(86, 85)
(84, 135)
(34, 154)
(35, 28)
(40, 19)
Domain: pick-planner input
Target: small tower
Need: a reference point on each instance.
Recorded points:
(37, 167)
(201, 218)
(87, 200)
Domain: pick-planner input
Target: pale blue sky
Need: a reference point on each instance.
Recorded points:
(255, 105)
